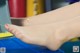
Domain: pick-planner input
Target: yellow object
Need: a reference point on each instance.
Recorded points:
(40, 7)
(34, 7)
(5, 34)
(75, 39)
(30, 7)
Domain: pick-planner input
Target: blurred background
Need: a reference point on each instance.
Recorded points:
(14, 11)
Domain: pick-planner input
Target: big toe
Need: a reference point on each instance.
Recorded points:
(12, 28)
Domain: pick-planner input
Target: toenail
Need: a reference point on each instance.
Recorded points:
(6, 25)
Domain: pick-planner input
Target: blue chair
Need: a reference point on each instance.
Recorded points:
(14, 45)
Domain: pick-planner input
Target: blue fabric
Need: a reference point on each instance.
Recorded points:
(14, 45)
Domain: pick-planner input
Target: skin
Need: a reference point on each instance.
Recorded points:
(47, 34)
(53, 33)
(61, 14)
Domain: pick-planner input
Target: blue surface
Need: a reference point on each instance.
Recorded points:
(14, 45)
(68, 46)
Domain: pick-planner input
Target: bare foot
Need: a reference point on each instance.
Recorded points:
(28, 34)
(50, 35)
(41, 34)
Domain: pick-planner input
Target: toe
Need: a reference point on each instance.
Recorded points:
(11, 28)
(14, 30)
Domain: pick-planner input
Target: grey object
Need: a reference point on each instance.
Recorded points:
(48, 5)
(4, 14)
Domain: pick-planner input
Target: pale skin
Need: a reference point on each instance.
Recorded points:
(61, 14)
(53, 31)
